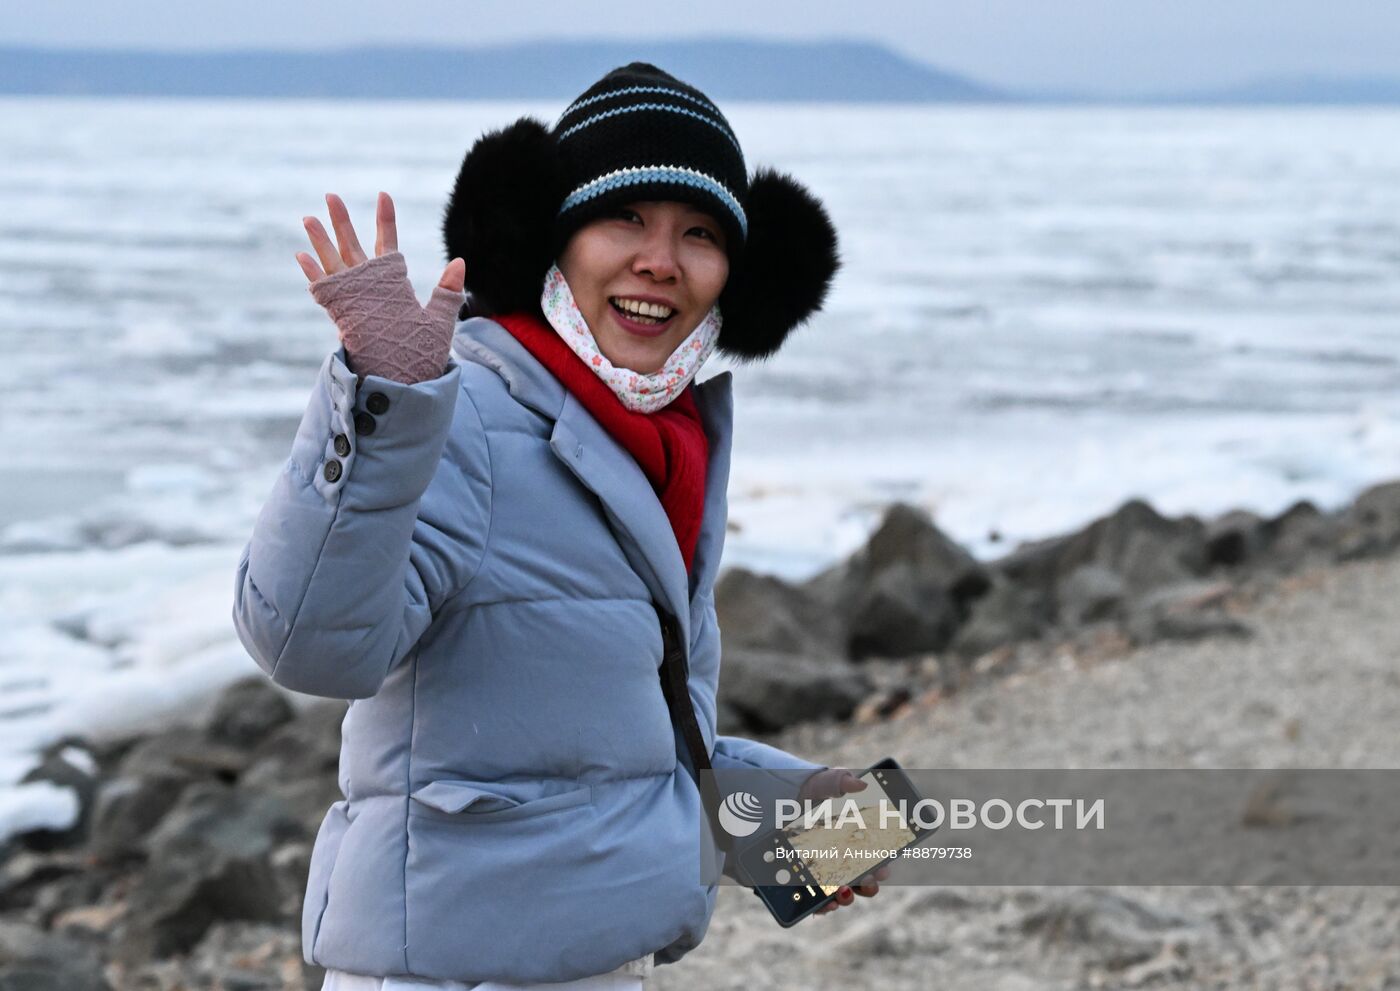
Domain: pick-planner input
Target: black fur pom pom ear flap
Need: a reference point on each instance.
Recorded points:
(785, 269)
(500, 215)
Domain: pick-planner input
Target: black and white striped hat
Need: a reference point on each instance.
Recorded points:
(639, 134)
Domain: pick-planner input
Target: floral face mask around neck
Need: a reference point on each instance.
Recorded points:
(639, 393)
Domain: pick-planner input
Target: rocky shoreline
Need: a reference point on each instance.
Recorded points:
(913, 608)
(186, 866)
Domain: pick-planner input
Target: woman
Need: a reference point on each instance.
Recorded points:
(486, 548)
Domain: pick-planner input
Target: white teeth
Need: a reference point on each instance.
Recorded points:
(643, 309)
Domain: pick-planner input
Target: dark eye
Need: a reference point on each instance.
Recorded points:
(623, 213)
(707, 232)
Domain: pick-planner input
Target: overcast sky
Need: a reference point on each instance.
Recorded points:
(1120, 46)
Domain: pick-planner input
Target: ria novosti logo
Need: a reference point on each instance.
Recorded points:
(740, 814)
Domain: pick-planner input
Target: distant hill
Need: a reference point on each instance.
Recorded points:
(728, 68)
(725, 68)
(1299, 90)
(1357, 90)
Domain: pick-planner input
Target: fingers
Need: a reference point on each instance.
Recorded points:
(869, 885)
(446, 300)
(350, 251)
(832, 783)
(321, 242)
(309, 266)
(866, 887)
(454, 276)
(843, 897)
(386, 230)
(850, 782)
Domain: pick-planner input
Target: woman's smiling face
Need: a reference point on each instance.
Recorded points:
(656, 256)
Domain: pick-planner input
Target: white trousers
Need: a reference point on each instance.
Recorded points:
(339, 980)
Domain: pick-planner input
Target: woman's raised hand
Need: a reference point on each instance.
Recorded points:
(349, 253)
(384, 330)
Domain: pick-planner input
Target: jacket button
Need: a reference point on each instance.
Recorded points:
(332, 470)
(364, 423)
(342, 445)
(377, 403)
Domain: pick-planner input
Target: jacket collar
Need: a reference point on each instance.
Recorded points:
(608, 470)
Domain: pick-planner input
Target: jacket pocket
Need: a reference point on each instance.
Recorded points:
(473, 801)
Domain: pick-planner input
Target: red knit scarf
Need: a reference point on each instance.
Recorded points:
(670, 445)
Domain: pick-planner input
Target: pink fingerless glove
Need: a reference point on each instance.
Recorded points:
(384, 330)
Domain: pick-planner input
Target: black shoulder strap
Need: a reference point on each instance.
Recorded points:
(675, 674)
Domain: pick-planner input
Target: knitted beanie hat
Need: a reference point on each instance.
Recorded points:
(639, 134)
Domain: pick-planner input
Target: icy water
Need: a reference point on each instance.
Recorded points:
(1042, 312)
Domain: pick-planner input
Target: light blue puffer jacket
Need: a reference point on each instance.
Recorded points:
(476, 568)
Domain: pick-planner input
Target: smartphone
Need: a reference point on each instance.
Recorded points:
(799, 868)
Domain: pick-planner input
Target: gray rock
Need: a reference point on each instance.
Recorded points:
(299, 762)
(307, 747)
(1188, 611)
(1234, 539)
(70, 764)
(212, 820)
(767, 613)
(905, 592)
(183, 752)
(1039, 564)
(34, 960)
(71, 891)
(1300, 535)
(1004, 615)
(1089, 594)
(895, 614)
(908, 536)
(771, 690)
(170, 910)
(26, 873)
(1146, 549)
(212, 859)
(728, 720)
(247, 711)
(126, 810)
(1370, 526)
